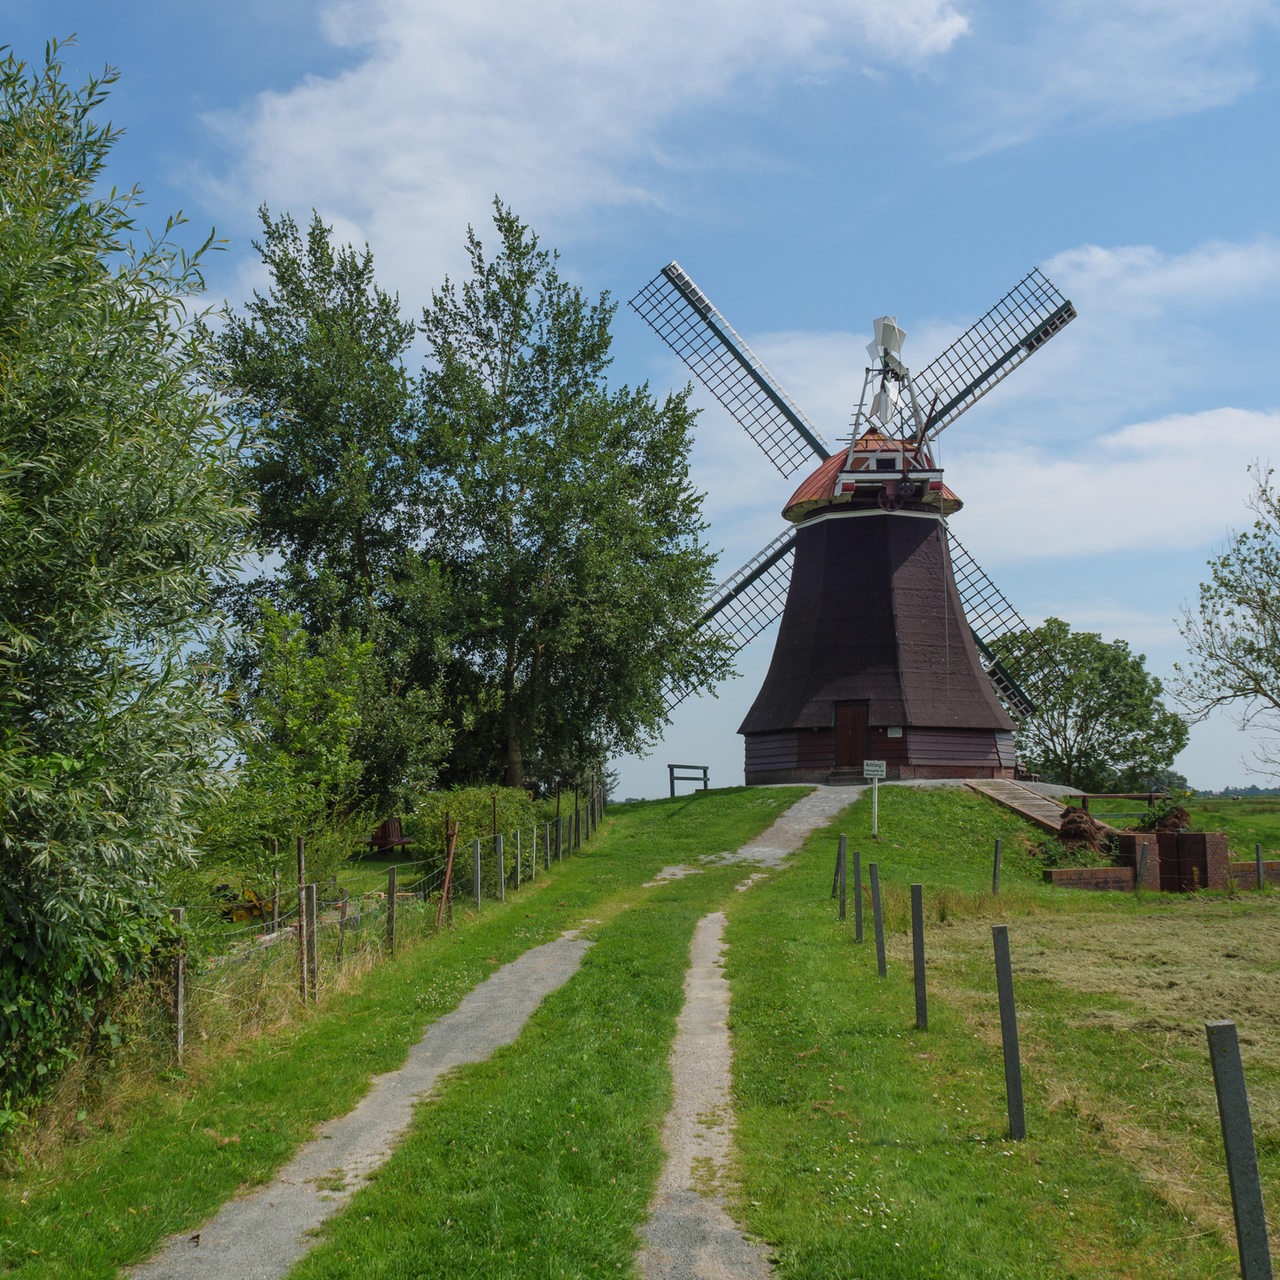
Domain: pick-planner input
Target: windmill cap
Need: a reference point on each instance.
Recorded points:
(825, 488)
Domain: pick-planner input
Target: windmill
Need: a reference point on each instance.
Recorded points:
(883, 649)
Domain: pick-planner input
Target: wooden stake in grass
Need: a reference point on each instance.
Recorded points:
(451, 844)
(840, 856)
(1242, 1154)
(304, 984)
(1009, 1032)
(917, 954)
(502, 869)
(1257, 857)
(475, 871)
(313, 966)
(179, 985)
(995, 872)
(877, 917)
(391, 910)
(857, 896)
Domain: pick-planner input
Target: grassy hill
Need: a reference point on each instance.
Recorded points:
(867, 1147)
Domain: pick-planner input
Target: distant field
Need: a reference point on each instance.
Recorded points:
(1246, 821)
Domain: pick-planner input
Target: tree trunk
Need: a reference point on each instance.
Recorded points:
(515, 746)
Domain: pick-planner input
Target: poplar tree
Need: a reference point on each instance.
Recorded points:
(570, 532)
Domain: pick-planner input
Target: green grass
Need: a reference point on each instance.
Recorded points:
(170, 1151)
(869, 1148)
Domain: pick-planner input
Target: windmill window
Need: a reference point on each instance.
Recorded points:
(890, 463)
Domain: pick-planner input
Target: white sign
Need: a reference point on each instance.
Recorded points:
(873, 769)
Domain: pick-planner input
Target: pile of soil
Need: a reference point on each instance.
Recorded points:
(1078, 830)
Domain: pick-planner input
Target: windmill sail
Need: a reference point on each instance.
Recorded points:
(749, 600)
(753, 597)
(990, 616)
(684, 318)
(987, 352)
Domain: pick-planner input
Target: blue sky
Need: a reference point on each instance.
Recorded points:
(811, 168)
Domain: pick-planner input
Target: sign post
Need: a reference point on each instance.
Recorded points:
(875, 770)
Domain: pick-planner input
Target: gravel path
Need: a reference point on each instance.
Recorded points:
(260, 1236)
(689, 1234)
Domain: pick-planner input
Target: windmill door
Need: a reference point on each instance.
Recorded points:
(851, 734)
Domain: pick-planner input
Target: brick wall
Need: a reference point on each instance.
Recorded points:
(1246, 873)
(1091, 877)
(1140, 848)
(1175, 861)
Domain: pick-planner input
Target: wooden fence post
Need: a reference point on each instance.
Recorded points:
(1242, 1154)
(917, 955)
(546, 846)
(313, 965)
(1257, 857)
(1009, 1032)
(857, 896)
(392, 880)
(342, 922)
(275, 899)
(502, 869)
(180, 986)
(840, 874)
(995, 872)
(877, 916)
(446, 889)
(475, 871)
(304, 984)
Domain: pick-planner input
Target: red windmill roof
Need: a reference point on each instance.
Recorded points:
(823, 489)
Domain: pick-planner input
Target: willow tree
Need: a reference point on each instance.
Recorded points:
(571, 533)
(119, 513)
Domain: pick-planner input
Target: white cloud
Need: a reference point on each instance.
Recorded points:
(1109, 61)
(1175, 483)
(555, 104)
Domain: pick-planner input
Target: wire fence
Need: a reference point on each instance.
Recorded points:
(307, 940)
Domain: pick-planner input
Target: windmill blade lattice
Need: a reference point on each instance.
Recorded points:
(750, 599)
(684, 318)
(987, 352)
(990, 616)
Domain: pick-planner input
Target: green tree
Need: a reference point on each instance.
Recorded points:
(119, 512)
(298, 772)
(1100, 724)
(571, 532)
(1233, 633)
(314, 368)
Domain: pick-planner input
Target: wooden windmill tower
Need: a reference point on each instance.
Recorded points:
(882, 650)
